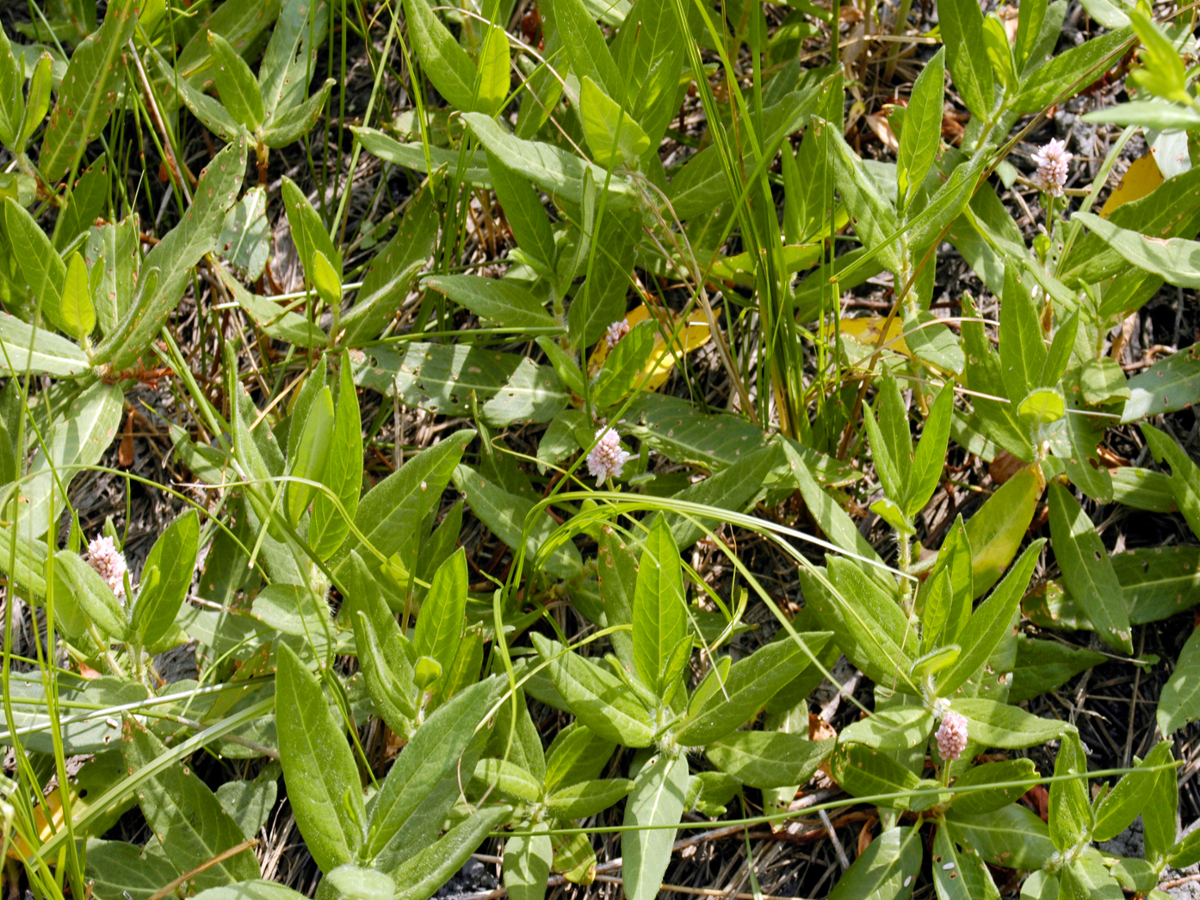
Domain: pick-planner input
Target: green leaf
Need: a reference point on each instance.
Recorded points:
(351, 882)
(989, 623)
(1071, 71)
(887, 466)
(996, 724)
(1125, 802)
(598, 699)
(12, 105)
(391, 272)
(506, 514)
(982, 799)
(886, 870)
(1042, 407)
(1185, 475)
(998, 527)
(326, 279)
(577, 754)
(173, 556)
(88, 92)
(1160, 815)
(1012, 837)
(657, 800)
(443, 61)
(1087, 570)
(39, 262)
(322, 780)
(1179, 702)
(38, 100)
(239, 91)
(1147, 114)
(292, 125)
(38, 351)
(527, 860)
(493, 73)
(289, 58)
(930, 455)
(555, 171)
(863, 771)
(175, 258)
(1046, 665)
(78, 314)
(1070, 813)
(310, 454)
(751, 682)
(890, 729)
(959, 876)
(999, 53)
(1164, 387)
(946, 596)
(383, 651)
(504, 302)
(189, 821)
(587, 798)
(624, 365)
(117, 870)
(1175, 260)
(1162, 72)
(962, 30)
(1022, 345)
(922, 132)
(524, 211)
(308, 232)
(432, 755)
(388, 512)
(327, 525)
(613, 136)
(586, 47)
(767, 759)
(440, 623)
(659, 614)
(82, 597)
(866, 621)
(434, 865)
(875, 221)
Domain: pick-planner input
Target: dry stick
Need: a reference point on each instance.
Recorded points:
(167, 889)
(152, 104)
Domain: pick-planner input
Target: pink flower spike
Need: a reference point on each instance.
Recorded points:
(952, 737)
(615, 332)
(105, 558)
(1052, 163)
(607, 459)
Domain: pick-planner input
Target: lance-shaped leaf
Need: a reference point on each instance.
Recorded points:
(307, 230)
(527, 861)
(891, 729)
(1012, 836)
(587, 798)
(88, 92)
(328, 525)
(959, 876)
(657, 800)
(173, 557)
(989, 623)
(235, 82)
(977, 797)
(493, 72)
(440, 623)
(78, 314)
(1125, 802)
(768, 759)
(443, 61)
(921, 136)
(432, 754)
(291, 125)
(322, 780)
(175, 257)
(659, 615)
(383, 651)
(886, 869)
(996, 530)
(39, 262)
(962, 30)
(420, 876)
(192, 826)
(1180, 699)
(311, 453)
(751, 682)
(24, 349)
(1185, 475)
(612, 135)
(1087, 570)
(995, 724)
(83, 598)
(504, 302)
(598, 698)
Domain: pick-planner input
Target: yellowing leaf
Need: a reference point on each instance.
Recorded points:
(688, 336)
(866, 331)
(1142, 178)
(740, 269)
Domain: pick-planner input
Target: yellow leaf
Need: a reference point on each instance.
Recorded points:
(688, 336)
(1142, 178)
(866, 331)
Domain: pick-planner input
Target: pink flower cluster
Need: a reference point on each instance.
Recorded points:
(105, 558)
(952, 737)
(607, 459)
(1052, 163)
(615, 332)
